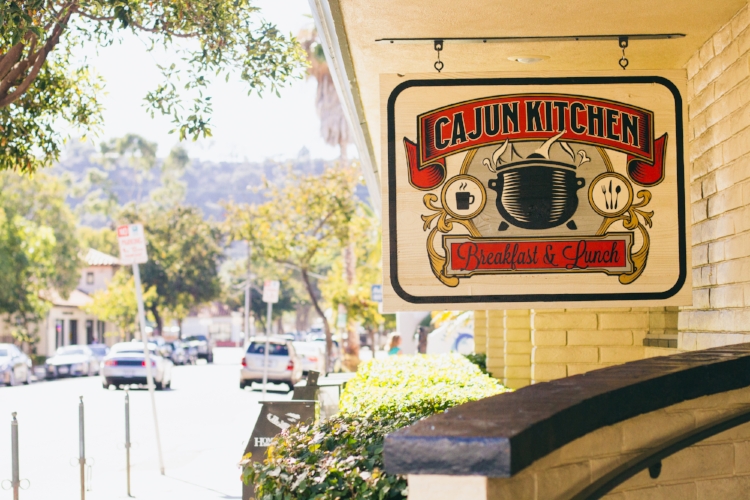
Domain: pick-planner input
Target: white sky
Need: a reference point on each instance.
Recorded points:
(244, 127)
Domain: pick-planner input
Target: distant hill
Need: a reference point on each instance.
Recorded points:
(208, 183)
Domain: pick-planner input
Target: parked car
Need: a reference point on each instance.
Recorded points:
(100, 352)
(335, 357)
(176, 352)
(203, 346)
(284, 366)
(72, 361)
(126, 365)
(15, 365)
(312, 356)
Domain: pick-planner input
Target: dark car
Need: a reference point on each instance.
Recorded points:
(203, 345)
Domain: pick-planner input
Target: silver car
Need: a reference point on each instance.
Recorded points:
(15, 366)
(284, 366)
(126, 365)
(72, 361)
(312, 356)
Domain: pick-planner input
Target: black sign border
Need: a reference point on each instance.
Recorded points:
(539, 297)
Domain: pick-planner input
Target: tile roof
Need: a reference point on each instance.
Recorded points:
(97, 258)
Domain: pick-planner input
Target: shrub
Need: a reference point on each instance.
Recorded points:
(342, 457)
(478, 359)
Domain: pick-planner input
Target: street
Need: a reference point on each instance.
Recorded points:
(205, 420)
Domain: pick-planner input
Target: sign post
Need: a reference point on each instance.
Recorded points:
(132, 242)
(270, 297)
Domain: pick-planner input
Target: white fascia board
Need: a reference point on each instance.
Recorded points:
(329, 23)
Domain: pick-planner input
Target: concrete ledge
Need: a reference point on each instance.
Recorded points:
(502, 435)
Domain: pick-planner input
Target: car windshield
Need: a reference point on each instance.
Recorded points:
(98, 350)
(307, 347)
(69, 351)
(4, 353)
(274, 349)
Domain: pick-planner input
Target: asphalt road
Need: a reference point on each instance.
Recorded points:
(205, 421)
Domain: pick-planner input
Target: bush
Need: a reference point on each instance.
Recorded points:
(478, 359)
(342, 457)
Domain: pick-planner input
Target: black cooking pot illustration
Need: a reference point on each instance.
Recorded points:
(536, 192)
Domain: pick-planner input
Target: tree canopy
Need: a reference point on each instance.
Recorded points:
(39, 251)
(42, 82)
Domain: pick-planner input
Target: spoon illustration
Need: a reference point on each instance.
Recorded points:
(617, 190)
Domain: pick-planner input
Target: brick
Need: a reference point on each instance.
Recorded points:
(693, 66)
(562, 482)
(695, 192)
(709, 340)
(728, 488)
(740, 219)
(740, 21)
(517, 348)
(548, 337)
(643, 431)
(740, 119)
(736, 146)
(733, 271)
(716, 251)
(597, 337)
(742, 457)
(517, 322)
(615, 321)
(564, 321)
(550, 354)
(704, 97)
(685, 491)
(700, 210)
(547, 372)
(518, 371)
(706, 52)
(744, 41)
(722, 39)
(701, 299)
(620, 354)
(580, 368)
(518, 335)
(725, 200)
(727, 296)
(687, 341)
(517, 359)
(517, 383)
(700, 254)
(731, 76)
(709, 185)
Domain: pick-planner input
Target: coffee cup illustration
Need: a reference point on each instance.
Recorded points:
(464, 199)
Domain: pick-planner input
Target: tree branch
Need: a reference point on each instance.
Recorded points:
(10, 58)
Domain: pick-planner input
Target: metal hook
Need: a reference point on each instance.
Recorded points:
(623, 41)
(438, 47)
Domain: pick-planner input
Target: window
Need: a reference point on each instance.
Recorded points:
(90, 331)
(89, 278)
(273, 349)
(73, 332)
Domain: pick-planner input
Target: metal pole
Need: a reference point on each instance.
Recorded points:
(248, 291)
(127, 438)
(15, 481)
(265, 355)
(81, 449)
(149, 375)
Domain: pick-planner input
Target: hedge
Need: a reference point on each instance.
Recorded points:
(342, 457)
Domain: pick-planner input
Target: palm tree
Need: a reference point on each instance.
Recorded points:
(333, 125)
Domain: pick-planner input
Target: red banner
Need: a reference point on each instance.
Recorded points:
(467, 255)
(494, 120)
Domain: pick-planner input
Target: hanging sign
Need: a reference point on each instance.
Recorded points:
(535, 192)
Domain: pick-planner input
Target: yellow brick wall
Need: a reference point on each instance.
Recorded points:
(480, 332)
(719, 158)
(495, 344)
(517, 329)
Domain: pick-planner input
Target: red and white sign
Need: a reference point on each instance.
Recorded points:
(132, 241)
(271, 291)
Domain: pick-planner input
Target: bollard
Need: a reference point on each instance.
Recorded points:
(15, 476)
(127, 438)
(81, 449)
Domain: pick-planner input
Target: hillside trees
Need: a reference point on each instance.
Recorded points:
(42, 83)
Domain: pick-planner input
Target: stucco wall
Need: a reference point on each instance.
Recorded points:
(719, 154)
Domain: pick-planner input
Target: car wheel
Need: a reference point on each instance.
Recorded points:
(242, 384)
(169, 385)
(159, 386)
(290, 385)
(210, 358)
(106, 384)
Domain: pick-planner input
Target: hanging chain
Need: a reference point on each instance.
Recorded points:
(438, 47)
(623, 45)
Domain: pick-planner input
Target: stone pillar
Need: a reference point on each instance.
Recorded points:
(517, 326)
(495, 344)
(480, 332)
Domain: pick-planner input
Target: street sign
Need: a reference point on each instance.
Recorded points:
(271, 291)
(376, 293)
(132, 243)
